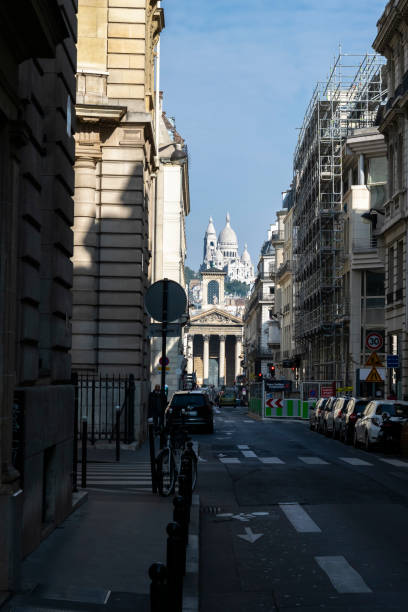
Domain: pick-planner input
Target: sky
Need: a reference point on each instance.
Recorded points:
(237, 75)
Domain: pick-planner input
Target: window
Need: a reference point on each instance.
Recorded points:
(391, 171)
(400, 266)
(213, 295)
(400, 161)
(271, 290)
(376, 181)
(390, 282)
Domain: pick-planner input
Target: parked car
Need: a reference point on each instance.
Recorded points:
(228, 397)
(322, 415)
(339, 407)
(355, 407)
(368, 427)
(315, 411)
(190, 408)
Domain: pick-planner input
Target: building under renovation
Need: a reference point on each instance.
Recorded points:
(350, 99)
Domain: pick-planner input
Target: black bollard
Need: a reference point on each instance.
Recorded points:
(158, 587)
(176, 566)
(84, 451)
(117, 435)
(188, 475)
(183, 492)
(152, 457)
(180, 515)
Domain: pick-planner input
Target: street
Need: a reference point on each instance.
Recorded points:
(291, 520)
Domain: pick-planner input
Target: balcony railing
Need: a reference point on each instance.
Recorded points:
(278, 235)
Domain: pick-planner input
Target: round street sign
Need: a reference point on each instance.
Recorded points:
(176, 300)
(166, 361)
(374, 341)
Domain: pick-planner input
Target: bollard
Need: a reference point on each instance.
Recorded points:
(158, 587)
(117, 434)
(84, 451)
(188, 475)
(183, 492)
(176, 566)
(180, 515)
(152, 457)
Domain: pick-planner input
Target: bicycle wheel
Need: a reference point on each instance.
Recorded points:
(166, 473)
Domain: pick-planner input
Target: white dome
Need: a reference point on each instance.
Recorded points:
(227, 237)
(246, 256)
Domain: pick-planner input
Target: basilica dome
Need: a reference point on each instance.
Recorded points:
(245, 257)
(227, 238)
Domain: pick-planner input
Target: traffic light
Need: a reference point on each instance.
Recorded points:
(260, 377)
(272, 370)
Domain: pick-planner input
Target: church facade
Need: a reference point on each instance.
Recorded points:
(222, 253)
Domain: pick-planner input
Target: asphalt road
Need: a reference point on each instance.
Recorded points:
(325, 526)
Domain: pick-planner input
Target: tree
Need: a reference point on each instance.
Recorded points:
(189, 274)
(235, 287)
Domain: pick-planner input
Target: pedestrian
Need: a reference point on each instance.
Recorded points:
(156, 406)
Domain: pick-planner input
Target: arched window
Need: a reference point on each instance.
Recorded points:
(213, 296)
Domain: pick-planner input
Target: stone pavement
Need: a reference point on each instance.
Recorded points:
(98, 559)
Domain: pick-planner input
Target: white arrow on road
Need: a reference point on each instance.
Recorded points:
(250, 536)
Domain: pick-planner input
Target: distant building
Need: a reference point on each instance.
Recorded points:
(222, 253)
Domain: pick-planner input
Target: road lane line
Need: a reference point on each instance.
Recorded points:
(354, 461)
(249, 421)
(313, 461)
(299, 518)
(248, 453)
(271, 460)
(395, 462)
(230, 460)
(343, 577)
(242, 446)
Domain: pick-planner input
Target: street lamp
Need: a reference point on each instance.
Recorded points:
(179, 155)
(371, 216)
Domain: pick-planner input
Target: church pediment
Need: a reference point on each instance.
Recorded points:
(215, 317)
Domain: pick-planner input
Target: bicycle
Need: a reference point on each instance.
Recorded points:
(178, 448)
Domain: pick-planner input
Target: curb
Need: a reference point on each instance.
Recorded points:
(191, 596)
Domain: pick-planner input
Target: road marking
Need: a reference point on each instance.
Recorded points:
(242, 446)
(343, 577)
(250, 536)
(299, 518)
(275, 460)
(395, 462)
(248, 421)
(229, 460)
(313, 461)
(354, 461)
(228, 421)
(248, 453)
(224, 515)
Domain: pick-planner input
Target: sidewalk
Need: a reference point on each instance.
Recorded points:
(98, 559)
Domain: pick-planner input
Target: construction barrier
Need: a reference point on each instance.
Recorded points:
(292, 408)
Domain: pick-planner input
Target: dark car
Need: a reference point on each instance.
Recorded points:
(190, 408)
(353, 412)
(228, 397)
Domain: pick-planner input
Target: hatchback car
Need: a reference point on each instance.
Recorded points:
(190, 408)
(321, 418)
(314, 412)
(349, 417)
(368, 428)
(334, 417)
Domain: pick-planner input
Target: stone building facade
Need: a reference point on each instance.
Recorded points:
(115, 165)
(37, 95)
(392, 42)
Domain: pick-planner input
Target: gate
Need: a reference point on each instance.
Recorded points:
(97, 399)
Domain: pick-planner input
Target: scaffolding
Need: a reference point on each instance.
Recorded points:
(348, 100)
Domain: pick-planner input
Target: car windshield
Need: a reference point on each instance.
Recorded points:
(398, 410)
(359, 406)
(229, 392)
(187, 400)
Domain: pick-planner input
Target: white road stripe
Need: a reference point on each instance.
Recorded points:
(242, 446)
(229, 460)
(314, 461)
(343, 577)
(299, 518)
(275, 460)
(354, 461)
(248, 453)
(248, 421)
(395, 462)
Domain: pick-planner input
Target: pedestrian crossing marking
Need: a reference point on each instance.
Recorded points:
(249, 454)
(271, 460)
(122, 477)
(313, 461)
(354, 461)
(230, 460)
(396, 462)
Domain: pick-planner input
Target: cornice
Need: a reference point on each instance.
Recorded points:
(100, 112)
(388, 24)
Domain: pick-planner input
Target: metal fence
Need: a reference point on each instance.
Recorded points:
(98, 399)
(256, 399)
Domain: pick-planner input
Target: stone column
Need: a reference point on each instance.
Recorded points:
(222, 361)
(238, 350)
(190, 355)
(206, 359)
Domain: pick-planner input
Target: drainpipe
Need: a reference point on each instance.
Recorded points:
(361, 177)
